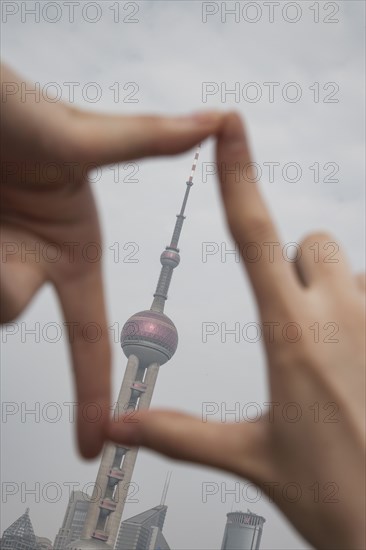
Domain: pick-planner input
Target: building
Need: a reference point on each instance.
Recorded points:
(74, 520)
(20, 536)
(243, 531)
(148, 339)
(143, 531)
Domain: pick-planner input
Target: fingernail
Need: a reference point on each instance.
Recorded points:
(233, 133)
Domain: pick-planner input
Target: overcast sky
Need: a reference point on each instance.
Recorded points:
(163, 59)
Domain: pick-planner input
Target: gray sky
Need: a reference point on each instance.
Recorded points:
(168, 54)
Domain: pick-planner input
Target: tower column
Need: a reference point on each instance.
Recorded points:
(129, 463)
(109, 453)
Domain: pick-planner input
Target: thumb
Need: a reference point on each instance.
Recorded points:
(237, 448)
(106, 139)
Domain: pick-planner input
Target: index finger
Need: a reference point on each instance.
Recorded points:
(272, 278)
(83, 306)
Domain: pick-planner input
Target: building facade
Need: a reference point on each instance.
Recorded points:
(74, 520)
(143, 531)
(20, 536)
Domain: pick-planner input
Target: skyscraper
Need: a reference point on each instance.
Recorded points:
(19, 535)
(243, 531)
(74, 520)
(149, 339)
(144, 531)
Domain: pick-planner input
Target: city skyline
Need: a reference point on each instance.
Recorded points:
(143, 531)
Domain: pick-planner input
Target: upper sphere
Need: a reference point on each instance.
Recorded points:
(151, 336)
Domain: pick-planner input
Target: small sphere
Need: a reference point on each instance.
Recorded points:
(170, 257)
(151, 336)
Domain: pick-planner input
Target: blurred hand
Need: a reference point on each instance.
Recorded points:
(325, 459)
(47, 206)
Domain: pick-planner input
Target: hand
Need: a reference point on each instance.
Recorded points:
(47, 204)
(275, 451)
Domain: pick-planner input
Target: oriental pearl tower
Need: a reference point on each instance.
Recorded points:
(148, 339)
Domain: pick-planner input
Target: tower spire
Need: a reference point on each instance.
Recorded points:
(170, 258)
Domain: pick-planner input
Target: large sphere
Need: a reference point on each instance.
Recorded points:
(170, 258)
(151, 336)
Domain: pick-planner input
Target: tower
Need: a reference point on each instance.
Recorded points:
(148, 339)
(243, 531)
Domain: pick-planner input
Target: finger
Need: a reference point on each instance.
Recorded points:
(249, 220)
(19, 283)
(237, 448)
(321, 260)
(84, 311)
(361, 281)
(108, 139)
(21, 277)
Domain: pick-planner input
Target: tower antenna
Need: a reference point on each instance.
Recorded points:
(170, 257)
(166, 487)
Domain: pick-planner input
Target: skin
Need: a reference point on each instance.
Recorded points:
(37, 211)
(274, 451)
(271, 452)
